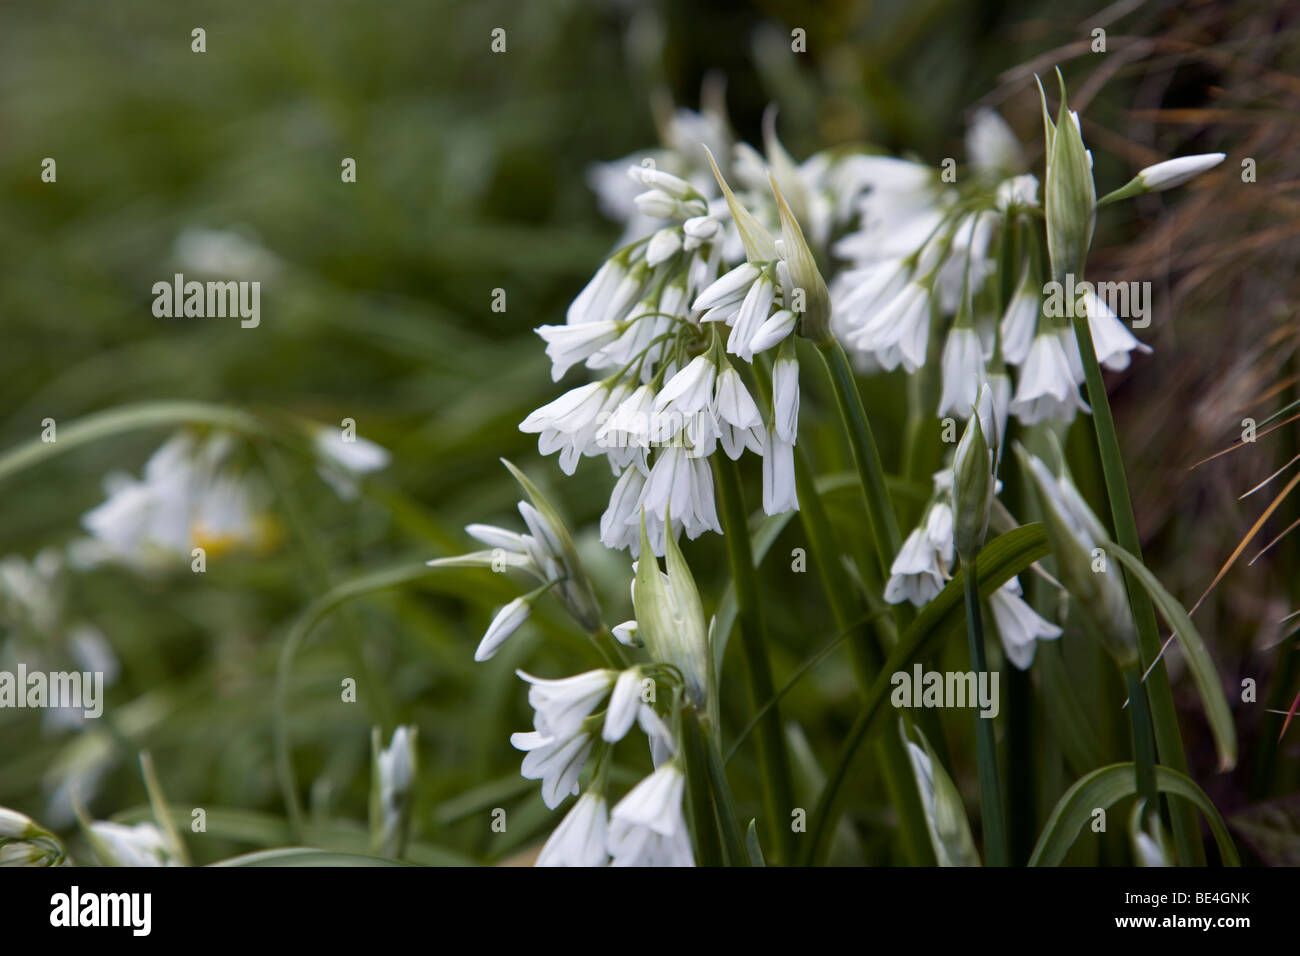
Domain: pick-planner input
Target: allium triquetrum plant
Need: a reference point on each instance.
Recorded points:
(728, 362)
(738, 268)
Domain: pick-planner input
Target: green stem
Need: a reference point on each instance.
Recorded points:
(1144, 753)
(995, 832)
(884, 523)
(778, 792)
(1164, 719)
(724, 804)
(708, 848)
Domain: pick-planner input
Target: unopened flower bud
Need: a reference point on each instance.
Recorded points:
(972, 490)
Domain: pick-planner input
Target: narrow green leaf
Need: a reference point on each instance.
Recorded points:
(752, 845)
(1103, 788)
(124, 419)
(307, 856)
(1204, 674)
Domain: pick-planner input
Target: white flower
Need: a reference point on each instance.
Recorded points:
(749, 318)
(1019, 192)
(785, 397)
(15, 826)
(504, 623)
(1047, 387)
(556, 761)
(188, 497)
(900, 331)
(567, 345)
(562, 705)
(727, 292)
(779, 491)
(737, 415)
(991, 145)
(690, 390)
(626, 633)
(139, 845)
(921, 566)
(664, 244)
(358, 455)
(856, 294)
(396, 764)
(1020, 321)
(396, 769)
(618, 525)
(963, 372)
(224, 253)
(495, 537)
(775, 330)
(999, 395)
(569, 423)
(700, 229)
(1019, 626)
(342, 460)
(580, 838)
(1111, 339)
(623, 705)
(647, 827)
(663, 746)
(594, 301)
(686, 481)
(1175, 172)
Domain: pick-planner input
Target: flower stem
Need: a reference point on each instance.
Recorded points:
(707, 846)
(1144, 753)
(778, 792)
(1164, 720)
(995, 832)
(884, 523)
(723, 802)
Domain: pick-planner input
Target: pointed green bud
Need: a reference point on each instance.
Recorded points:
(1166, 175)
(1070, 196)
(784, 169)
(670, 616)
(805, 277)
(945, 814)
(758, 242)
(972, 490)
(575, 590)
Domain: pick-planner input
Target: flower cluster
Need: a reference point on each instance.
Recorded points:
(678, 323)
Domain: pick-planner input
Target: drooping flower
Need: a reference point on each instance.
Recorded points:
(923, 562)
(963, 372)
(556, 761)
(390, 794)
(1111, 340)
(1019, 626)
(118, 844)
(647, 827)
(562, 705)
(1047, 388)
(580, 839)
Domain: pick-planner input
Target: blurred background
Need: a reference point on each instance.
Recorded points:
(472, 175)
